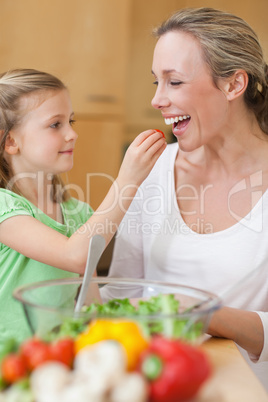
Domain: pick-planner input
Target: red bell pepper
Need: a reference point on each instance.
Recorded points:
(175, 370)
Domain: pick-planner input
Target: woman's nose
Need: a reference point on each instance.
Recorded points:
(160, 99)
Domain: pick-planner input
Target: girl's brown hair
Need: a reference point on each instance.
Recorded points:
(228, 44)
(14, 85)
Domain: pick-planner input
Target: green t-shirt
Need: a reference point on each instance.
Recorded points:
(16, 269)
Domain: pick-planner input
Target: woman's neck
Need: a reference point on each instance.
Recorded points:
(238, 154)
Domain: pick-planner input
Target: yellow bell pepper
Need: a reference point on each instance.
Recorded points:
(128, 333)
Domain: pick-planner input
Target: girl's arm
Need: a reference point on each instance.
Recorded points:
(35, 240)
(243, 327)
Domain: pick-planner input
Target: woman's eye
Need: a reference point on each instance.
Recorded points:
(72, 122)
(173, 83)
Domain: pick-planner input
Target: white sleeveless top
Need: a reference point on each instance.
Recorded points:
(153, 242)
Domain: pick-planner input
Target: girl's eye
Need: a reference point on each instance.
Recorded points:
(155, 83)
(175, 83)
(55, 125)
(72, 122)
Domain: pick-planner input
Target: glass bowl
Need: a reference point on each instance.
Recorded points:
(173, 310)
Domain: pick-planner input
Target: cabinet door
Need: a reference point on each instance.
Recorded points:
(97, 158)
(98, 50)
(140, 114)
(84, 43)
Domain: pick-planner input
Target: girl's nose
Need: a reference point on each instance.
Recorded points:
(160, 99)
(71, 135)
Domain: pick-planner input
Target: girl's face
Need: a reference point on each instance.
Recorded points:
(186, 94)
(45, 138)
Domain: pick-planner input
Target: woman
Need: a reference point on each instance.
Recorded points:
(200, 217)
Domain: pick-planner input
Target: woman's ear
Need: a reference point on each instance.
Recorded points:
(11, 146)
(236, 85)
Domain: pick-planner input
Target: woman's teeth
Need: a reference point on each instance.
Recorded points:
(176, 119)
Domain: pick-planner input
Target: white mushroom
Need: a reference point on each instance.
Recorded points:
(78, 390)
(102, 365)
(48, 380)
(131, 388)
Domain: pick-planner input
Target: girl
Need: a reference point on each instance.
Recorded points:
(44, 233)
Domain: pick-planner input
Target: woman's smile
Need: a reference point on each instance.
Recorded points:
(179, 124)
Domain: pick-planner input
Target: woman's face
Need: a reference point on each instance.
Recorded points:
(186, 94)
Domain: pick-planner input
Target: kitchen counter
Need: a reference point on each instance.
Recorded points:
(232, 379)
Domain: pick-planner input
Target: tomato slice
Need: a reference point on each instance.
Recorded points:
(35, 352)
(13, 368)
(63, 351)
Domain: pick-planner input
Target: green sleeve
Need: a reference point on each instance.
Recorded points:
(12, 204)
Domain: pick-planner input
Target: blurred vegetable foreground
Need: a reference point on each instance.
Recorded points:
(110, 361)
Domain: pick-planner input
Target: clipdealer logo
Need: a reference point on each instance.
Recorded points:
(158, 200)
(252, 220)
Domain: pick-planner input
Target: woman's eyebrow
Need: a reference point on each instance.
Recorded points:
(165, 72)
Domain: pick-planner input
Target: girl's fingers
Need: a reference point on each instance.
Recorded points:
(141, 156)
(159, 131)
(148, 134)
(141, 137)
(155, 150)
(150, 138)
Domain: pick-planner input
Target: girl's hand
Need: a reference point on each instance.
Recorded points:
(141, 156)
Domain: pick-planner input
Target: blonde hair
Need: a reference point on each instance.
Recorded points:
(228, 44)
(14, 85)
